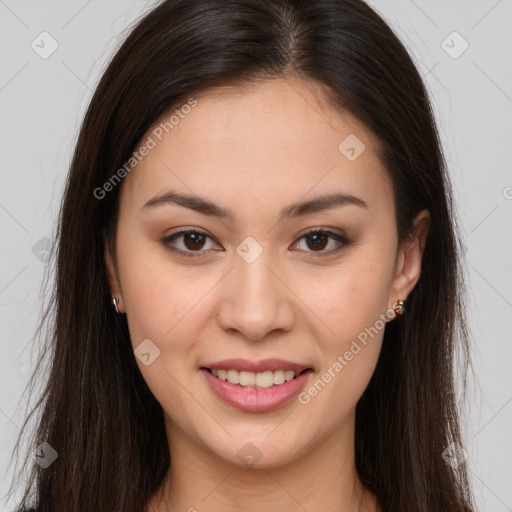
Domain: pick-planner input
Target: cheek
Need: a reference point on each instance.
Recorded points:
(353, 350)
(353, 305)
(160, 308)
(354, 311)
(152, 307)
(355, 297)
(153, 290)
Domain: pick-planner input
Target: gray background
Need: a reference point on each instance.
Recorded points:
(42, 101)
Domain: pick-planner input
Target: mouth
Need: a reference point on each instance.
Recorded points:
(256, 386)
(256, 392)
(257, 380)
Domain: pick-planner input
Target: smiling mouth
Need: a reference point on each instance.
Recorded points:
(258, 380)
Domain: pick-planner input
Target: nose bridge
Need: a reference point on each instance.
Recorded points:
(256, 281)
(256, 302)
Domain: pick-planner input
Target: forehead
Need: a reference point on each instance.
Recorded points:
(267, 143)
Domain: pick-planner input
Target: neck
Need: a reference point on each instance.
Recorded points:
(324, 479)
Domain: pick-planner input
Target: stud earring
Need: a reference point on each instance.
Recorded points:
(399, 307)
(115, 301)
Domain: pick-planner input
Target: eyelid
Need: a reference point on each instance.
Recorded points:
(342, 240)
(166, 241)
(340, 237)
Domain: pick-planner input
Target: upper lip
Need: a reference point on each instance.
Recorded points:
(256, 366)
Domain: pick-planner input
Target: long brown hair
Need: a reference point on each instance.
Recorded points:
(96, 410)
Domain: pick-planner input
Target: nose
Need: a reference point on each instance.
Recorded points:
(255, 300)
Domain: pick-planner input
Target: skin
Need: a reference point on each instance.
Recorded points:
(255, 150)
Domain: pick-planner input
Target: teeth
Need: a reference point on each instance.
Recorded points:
(247, 378)
(279, 377)
(265, 379)
(233, 376)
(261, 379)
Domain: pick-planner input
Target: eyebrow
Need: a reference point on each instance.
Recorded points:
(198, 204)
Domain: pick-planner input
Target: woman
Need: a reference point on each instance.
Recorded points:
(258, 292)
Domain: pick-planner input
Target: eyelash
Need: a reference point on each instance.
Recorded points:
(341, 239)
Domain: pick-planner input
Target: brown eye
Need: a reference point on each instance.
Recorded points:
(192, 241)
(316, 241)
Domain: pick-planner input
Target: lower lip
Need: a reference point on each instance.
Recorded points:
(256, 400)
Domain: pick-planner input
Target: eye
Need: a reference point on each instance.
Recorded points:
(192, 242)
(318, 239)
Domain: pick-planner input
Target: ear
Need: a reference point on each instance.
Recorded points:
(408, 267)
(115, 290)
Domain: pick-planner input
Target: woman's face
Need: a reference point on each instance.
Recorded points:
(249, 284)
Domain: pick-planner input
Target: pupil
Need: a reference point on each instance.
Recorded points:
(195, 237)
(318, 242)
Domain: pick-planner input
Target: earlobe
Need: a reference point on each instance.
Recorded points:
(409, 259)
